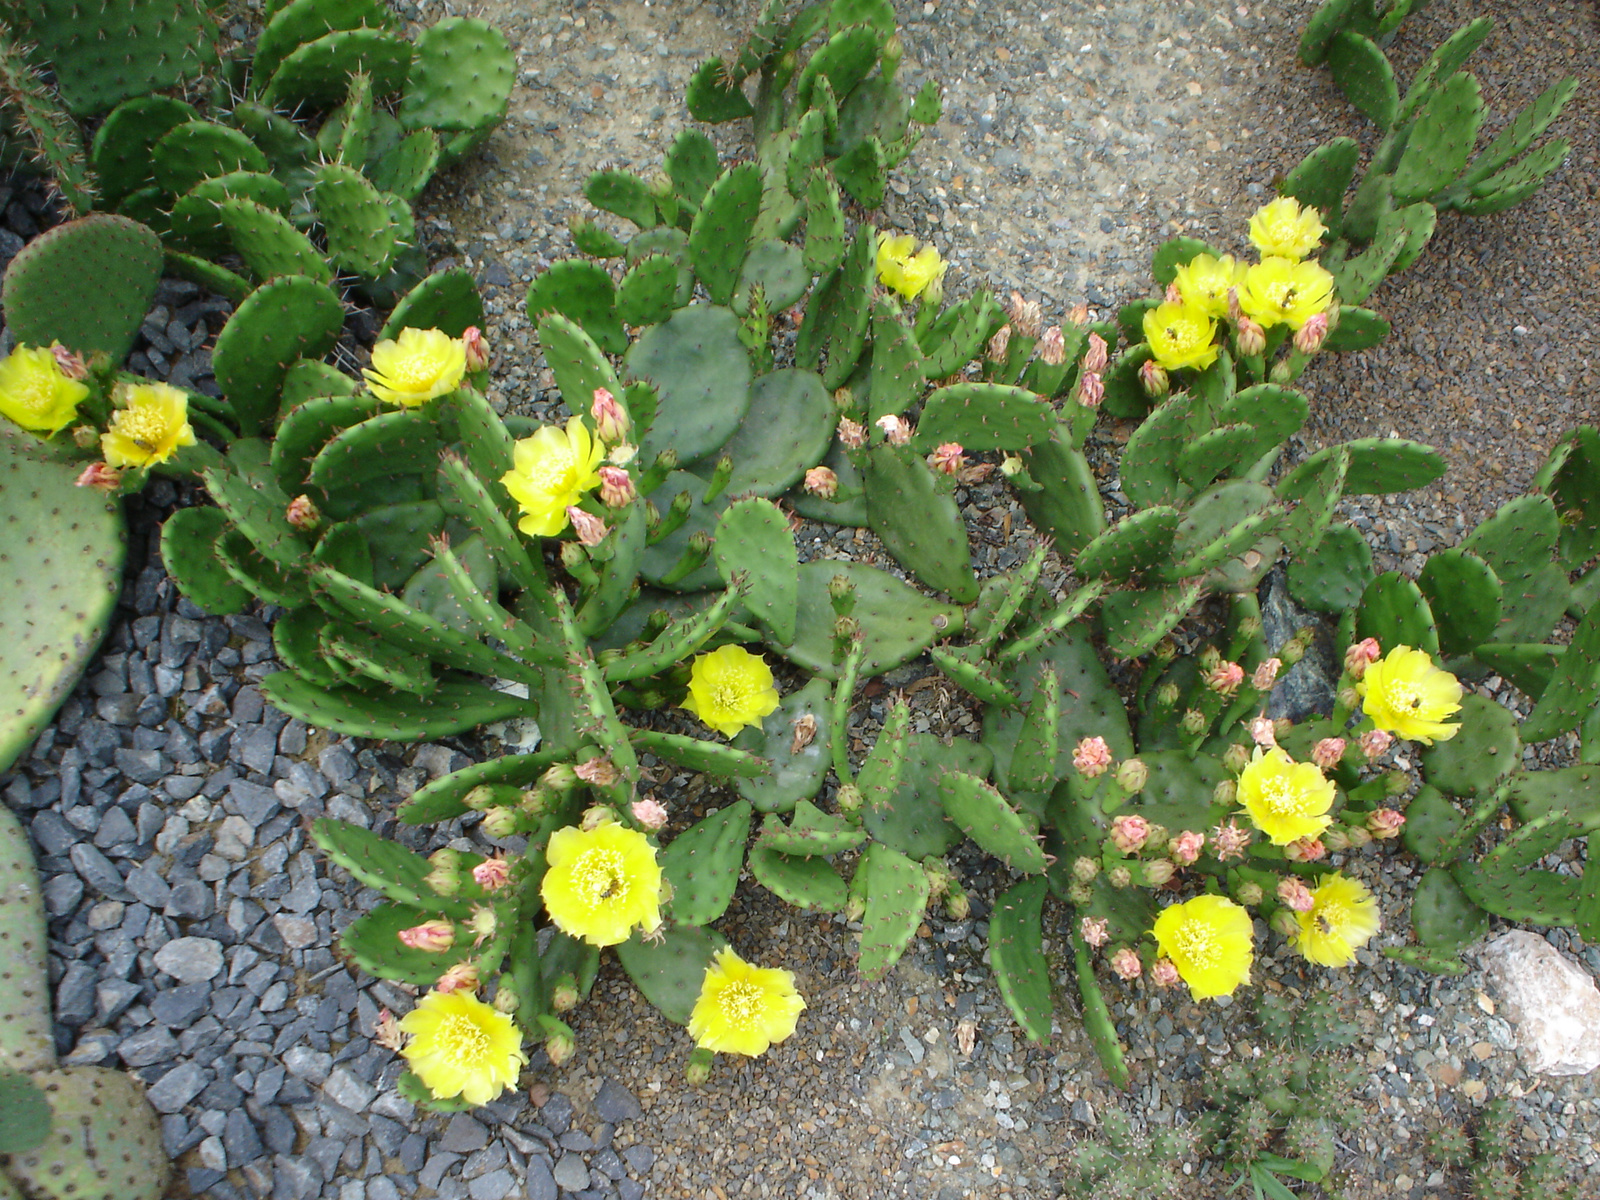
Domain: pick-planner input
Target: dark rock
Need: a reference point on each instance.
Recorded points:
(240, 1139)
(75, 994)
(180, 1007)
(463, 1135)
(615, 1103)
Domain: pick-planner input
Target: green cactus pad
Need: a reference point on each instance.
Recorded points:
(384, 865)
(27, 1113)
(583, 292)
(26, 1043)
(64, 553)
(1333, 579)
(982, 813)
(984, 416)
(270, 244)
(810, 883)
(318, 72)
(1517, 894)
(260, 576)
(455, 707)
(671, 971)
(445, 300)
(376, 659)
(653, 287)
(1393, 610)
(1465, 598)
(1067, 507)
(300, 21)
(121, 151)
(810, 833)
(1434, 827)
(104, 1141)
(306, 428)
(786, 430)
(916, 517)
(196, 220)
(702, 864)
(702, 374)
(1441, 140)
(1530, 667)
(1483, 751)
(1314, 489)
(188, 548)
(824, 247)
(834, 331)
(1567, 792)
(696, 754)
(1134, 621)
(778, 270)
(398, 442)
(1322, 178)
(913, 821)
(208, 275)
(627, 196)
(109, 265)
(719, 238)
(752, 537)
(1016, 954)
(691, 164)
(897, 622)
(1365, 77)
(1033, 759)
(297, 640)
(1223, 522)
(362, 237)
(794, 774)
(104, 54)
(460, 79)
(1149, 465)
(1178, 794)
(198, 150)
(1359, 329)
(442, 799)
(661, 557)
(896, 890)
(1572, 692)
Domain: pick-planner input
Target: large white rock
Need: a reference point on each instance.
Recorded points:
(1552, 1002)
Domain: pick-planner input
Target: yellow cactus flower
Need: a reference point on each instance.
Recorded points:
(744, 1009)
(1286, 800)
(550, 472)
(1210, 940)
(36, 394)
(1281, 291)
(150, 428)
(1282, 229)
(415, 367)
(460, 1046)
(602, 883)
(730, 688)
(1406, 695)
(1180, 335)
(1205, 281)
(1342, 918)
(904, 268)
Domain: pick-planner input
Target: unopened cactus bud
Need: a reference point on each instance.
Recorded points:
(1266, 675)
(1164, 973)
(855, 907)
(1306, 850)
(1225, 678)
(1126, 964)
(463, 977)
(1226, 792)
(1096, 356)
(1229, 841)
(1091, 390)
(1158, 871)
(1360, 655)
(501, 822)
(1285, 922)
(999, 345)
(1129, 833)
(1336, 839)
(560, 1047)
(535, 801)
(1252, 339)
(1295, 648)
(848, 798)
(574, 559)
(481, 798)
(948, 458)
(1375, 743)
(1209, 658)
(1396, 783)
(852, 434)
(1167, 695)
(1185, 848)
(1309, 337)
(1080, 894)
(493, 873)
(1079, 315)
(957, 904)
(651, 814)
(896, 430)
(1052, 347)
(1358, 837)
(611, 422)
(1131, 775)
(598, 772)
(1249, 893)
(1385, 823)
(562, 777)
(445, 877)
(616, 487)
(1156, 834)
(845, 629)
(85, 437)
(1084, 868)
(303, 514)
(893, 51)
(1153, 378)
(505, 999)
(476, 349)
(1011, 466)
(1328, 753)
(1096, 931)
(1236, 757)
(102, 477)
(1119, 877)
(482, 924)
(595, 816)
(822, 481)
(433, 936)
(698, 1071)
(1027, 317)
(1091, 757)
(1263, 733)
(564, 996)
(591, 530)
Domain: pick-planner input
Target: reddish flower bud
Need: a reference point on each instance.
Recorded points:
(1385, 823)
(100, 476)
(1374, 742)
(591, 530)
(1153, 378)
(852, 434)
(822, 481)
(616, 487)
(1095, 930)
(1360, 655)
(1128, 833)
(433, 936)
(493, 873)
(1309, 337)
(652, 814)
(611, 422)
(1091, 757)
(1126, 964)
(1097, 355)
(1328, 753)
(1164, 973)
(303, 514)
(948, 458)
(1091, 390)
(476, 348)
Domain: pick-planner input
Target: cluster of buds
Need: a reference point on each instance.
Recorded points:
(1091, 385)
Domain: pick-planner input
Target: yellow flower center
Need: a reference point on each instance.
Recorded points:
(146, 427)
(1281, 798)
(600, 877)
(552, 473)
(1333, 920)
(1195, 943)
(462, 1040)
(1402, 695)
(1180, 336)
(729, 694)
(741, 1003)
(418, 370)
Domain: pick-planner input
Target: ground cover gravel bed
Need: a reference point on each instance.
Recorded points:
(192, 925)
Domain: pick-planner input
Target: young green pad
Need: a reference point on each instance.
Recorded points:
(1393, 610)
(719, 238)
(1434, 827)
(798, 766)
(896, 893)
(301, 21)
(810, 883)
(753, 538)
(1134, 621)
(913, 821)
(188, 548)
(897, 622)
(917, 519)
(1441, 139)
(1016, 955)
(120, 153)
(983, 814)
(318, 72)
(384, 865)
(460, 78)
(671, 969)
(455, 707)
(270, 244)
(1134, 545)
(1314, 490)
(702, 864)
(442, 799)
(1484, 750)
(810, 833)
(1336, 574)
(879, 777)
(582, 291)
(1365, 76)
(362, 239)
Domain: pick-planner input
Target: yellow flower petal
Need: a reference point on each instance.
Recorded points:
(905, 269)
(730, 688)
(1286, 800)
(1282, 229)
(35, 394)
(1405, 694)
(1211, 941)
(460, 1046)
(1180, 335)
(1280, 291)
(550, 472)
(1343, 917)
(1205, 281)
(602, 883)
(417, 366)
(744, 1009)
(150, 429)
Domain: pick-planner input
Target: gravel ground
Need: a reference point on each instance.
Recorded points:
(192, 925)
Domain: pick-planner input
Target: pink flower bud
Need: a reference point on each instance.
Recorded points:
(1079, 315)
(1359, 655)
(1096, 356)
(999, 344)
(896, 429)
(476, 348)
(68, 363)
(1229, 841)
(1153, 378)
(463, 977)
(1374, 742)
(1385, 823)
(1225, 678)
(1294, 893)
(493, 873)
(100, 476)
(822, 481)
(433, 936)
(598, 772)
(852, 433)
(1026, 315)
(303, 514)
(1185, 848)
(1172, 295)
(1052, 347)
(948, 457)
(1328, 753)
(616, 487)
(652, 814)
(1235, 310)
(1095, 930)
(1091, 757)
(1309, 337)
(1252, 338)
(1305, 850)
(611, 423)
(1164, 973)
(1126, 964)
(386, 1031)
(1266, 675)
(591, 530)
(1128, 833)
(1264, 733)
(1091, 390)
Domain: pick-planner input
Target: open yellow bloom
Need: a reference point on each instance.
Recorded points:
(1343, 917)
(1286, 800)
(730, 688)
(150, 428)
(551, 471)
(35, 394)
(1180, 335)
(906, 269)
(1210, 940)
(415, 367)
(744, 1009)
(602, 883)
(460, 1046)
(1282, 229)
(1406, 695)
(1205, 281)
(1281, 291)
